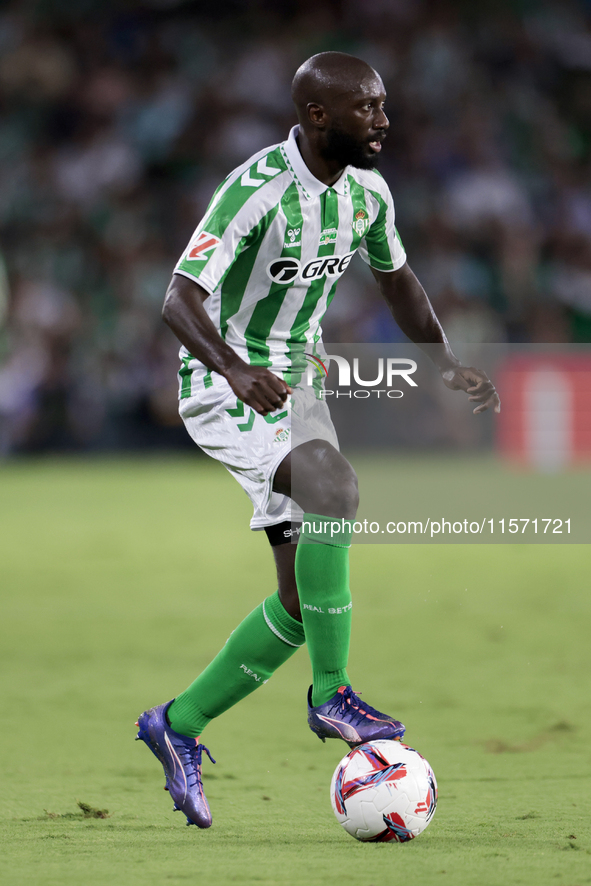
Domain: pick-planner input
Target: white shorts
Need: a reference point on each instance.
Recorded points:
(252, 446)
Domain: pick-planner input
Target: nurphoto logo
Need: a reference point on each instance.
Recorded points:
(388, 371)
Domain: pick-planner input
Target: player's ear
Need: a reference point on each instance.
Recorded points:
(316, 114)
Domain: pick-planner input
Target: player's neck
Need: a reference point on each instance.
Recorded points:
(326, 171)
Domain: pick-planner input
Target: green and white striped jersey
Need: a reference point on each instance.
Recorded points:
(270, 250)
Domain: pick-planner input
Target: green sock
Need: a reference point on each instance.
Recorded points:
(322, 576)
(253, 652)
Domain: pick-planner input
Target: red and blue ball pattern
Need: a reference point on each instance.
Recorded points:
(384, 791)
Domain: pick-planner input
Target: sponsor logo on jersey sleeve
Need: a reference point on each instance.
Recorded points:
(202, 247)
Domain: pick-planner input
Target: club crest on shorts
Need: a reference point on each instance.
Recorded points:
(361, 223)
(281, 435)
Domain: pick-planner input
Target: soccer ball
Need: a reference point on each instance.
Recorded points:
(382, 791)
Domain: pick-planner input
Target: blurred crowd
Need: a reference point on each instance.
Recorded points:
(118, 120)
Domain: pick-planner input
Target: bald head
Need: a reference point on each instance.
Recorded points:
(340, 104)
(327, 77)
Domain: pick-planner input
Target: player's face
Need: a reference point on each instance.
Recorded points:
(358, 126)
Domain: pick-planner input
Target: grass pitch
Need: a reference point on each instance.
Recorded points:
(121, 579)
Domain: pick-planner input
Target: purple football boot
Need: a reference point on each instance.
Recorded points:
(181, 759)
(346, 716)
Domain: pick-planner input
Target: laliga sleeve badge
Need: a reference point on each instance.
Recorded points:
(202, 247)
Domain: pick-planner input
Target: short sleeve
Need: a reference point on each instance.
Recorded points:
(218, 240)
(382, 247)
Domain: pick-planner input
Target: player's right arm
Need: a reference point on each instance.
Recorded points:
(185, 314)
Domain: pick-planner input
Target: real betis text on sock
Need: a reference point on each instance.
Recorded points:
(253, 652)
(322, 576)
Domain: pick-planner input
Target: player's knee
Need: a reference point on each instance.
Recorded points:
(321, 480)
(338, 493)
(288, 594)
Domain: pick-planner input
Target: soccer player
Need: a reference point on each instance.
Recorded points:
(246, 301)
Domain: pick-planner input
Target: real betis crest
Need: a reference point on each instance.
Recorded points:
(361, 223)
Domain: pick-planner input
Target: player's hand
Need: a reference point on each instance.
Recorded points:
(476, 383)
(257, 387)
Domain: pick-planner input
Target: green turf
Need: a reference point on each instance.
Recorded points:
(120, 579)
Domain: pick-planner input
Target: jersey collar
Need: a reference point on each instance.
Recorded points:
(309, 184)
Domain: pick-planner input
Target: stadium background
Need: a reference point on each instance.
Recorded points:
(119, 119)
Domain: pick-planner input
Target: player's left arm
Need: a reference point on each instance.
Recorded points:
(415, 316)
